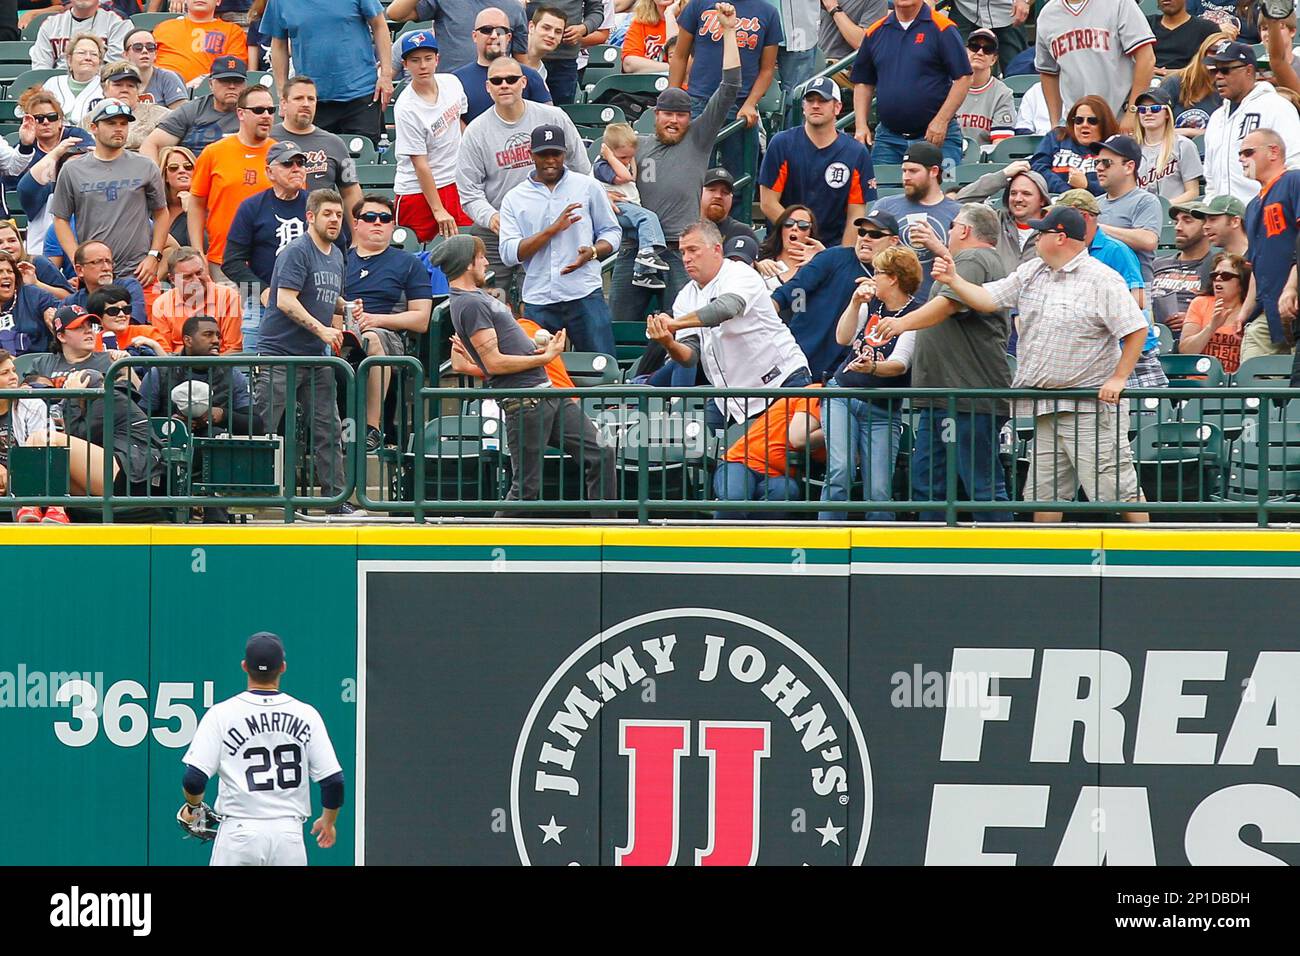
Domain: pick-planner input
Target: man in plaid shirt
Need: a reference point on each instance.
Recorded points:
(1072, 310)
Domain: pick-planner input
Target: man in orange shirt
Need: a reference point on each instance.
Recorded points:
(189, 44)
(763, 463)
(228, 172)
(194, 293)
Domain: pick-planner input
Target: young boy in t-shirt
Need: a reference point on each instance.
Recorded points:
(616, 168)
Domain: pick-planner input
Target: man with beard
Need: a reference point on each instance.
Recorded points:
(329, 164)
(495, 157)
(1024, 198)
(715, 204)
(1180, 278)
(922, 211)
(304, 316)
(669, 175)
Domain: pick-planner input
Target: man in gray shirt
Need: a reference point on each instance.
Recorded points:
(670, 168)
(844, 23)
(495, 156)
(206, 119)
(304, 316)
(113, 193)
(329, 164)
(510, 359)
(1128, 213)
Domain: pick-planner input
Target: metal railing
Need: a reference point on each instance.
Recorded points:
(660, 454)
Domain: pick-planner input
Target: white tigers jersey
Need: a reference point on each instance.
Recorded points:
(265, 746)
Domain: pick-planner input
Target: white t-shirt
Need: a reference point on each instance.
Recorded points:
(753, 350)
(431, 130)
(265, 747)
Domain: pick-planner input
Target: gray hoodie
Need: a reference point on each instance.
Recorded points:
(990, 184)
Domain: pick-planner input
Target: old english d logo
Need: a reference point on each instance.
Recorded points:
(735, 751)
(692, 736)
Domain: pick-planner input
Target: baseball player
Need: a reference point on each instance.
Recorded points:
(265, 745)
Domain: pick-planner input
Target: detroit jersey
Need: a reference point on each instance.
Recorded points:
(1090, 45)
(265, 746)
(988, 113)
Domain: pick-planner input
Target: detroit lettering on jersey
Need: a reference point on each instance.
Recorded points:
(1084, 38)
(111, 188)
(276, 722)
(747, 29)
(1153, 175)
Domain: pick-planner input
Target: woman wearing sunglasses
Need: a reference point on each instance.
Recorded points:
(1171, 166)
(161, 86)
(177, 164)
(54, 143)
(1191, 91)
(79, 89)
(1212, 326)
(789, 246)
(1064, 157)
(988, 113)
(118, 328)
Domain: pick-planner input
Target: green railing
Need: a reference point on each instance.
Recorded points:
(1222, 453)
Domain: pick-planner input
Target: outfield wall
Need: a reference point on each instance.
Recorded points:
(645, 696)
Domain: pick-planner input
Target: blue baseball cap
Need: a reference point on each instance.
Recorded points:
(422, 40)
(823, 86)
(264, 653)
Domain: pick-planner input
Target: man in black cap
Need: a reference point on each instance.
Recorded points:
(669, 163)
(562, 285)
(1128, 212)
(716, 201)
(818, 166)
(923, 211)
(206, 119)
(1072, 309)
(1248, 104)
(510, 359)
(267, 748)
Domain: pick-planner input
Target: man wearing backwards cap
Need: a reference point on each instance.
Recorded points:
(562, 283)
(828, 171)
(1248, 104)
(1072, 310)
(510, 359)
(267, 748)
(99, 189)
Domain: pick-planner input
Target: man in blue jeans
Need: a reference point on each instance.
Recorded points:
(958, 348)
(559, 224)
(915, 65)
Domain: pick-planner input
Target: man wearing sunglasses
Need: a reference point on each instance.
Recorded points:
(491, 42)
(1248, 104)
(113, 194)
(228, 172)
(454, 22)
(50, 51)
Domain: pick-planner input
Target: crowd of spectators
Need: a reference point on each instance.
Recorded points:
(167, 197)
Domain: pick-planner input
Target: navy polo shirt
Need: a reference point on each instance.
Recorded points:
(385, 281)
(912, 70)
(1271, 220)
(811, 304)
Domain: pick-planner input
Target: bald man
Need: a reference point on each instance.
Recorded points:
(493, 36)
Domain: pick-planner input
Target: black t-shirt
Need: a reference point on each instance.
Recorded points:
(1175, 48)
(730, 228)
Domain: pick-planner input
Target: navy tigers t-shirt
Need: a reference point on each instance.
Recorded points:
(385, 281)
(1271, 221)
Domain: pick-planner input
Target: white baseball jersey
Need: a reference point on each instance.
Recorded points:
(50, 51)
(1261, 108)
(1090, 45)
(988, 113)
(266, 746)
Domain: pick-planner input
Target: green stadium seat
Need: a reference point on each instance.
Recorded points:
(32, 29)
(1193, 371)
(1264, 371)
(629, 341)
(147, 21)
(36, 471)
(593, 114)
(591, 368)
(177, 455)
(376, 174)
(1020, 85)
(15, 51)
(30, 78)
(459, 462)
(888, 175)
(405, 239)
(1013, 148)
(1272, 465)
(651, 84)
(1180, 461)
(361, 149)
(967, 173)
(1166, 338)
(645, 123)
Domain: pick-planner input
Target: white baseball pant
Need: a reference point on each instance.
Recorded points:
(247, 842)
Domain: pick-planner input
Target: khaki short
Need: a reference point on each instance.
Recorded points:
(390, 341)
(1256, 341)
(1083, 448)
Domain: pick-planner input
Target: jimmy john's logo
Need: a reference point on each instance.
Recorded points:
(691, 736)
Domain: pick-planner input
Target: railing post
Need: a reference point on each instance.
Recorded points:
(950, 464)
(642, 461)
(290, 436)
(1265, 466)
(108, 411)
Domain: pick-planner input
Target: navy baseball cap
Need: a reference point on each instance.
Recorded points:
(744, 248)
(264, 653)
(823, 86)
(228, 68)
(1069, 222)
(422, 40)
(284, 150)
(1121, 145)
(548, 139)
(674, 100)
(1230, 51)
(886, 221)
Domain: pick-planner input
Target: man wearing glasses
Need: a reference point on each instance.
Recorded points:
(454, 22)
(492, 40)
(1248, 105)
(113, 194)
(228, 172)
(94, 265)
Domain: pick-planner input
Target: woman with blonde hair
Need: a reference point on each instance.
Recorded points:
(1191, 92)
(653, 26)
(79, 89)
(177, 165)
(1171, 166)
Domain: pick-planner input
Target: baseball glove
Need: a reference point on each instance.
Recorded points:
(204, 823)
